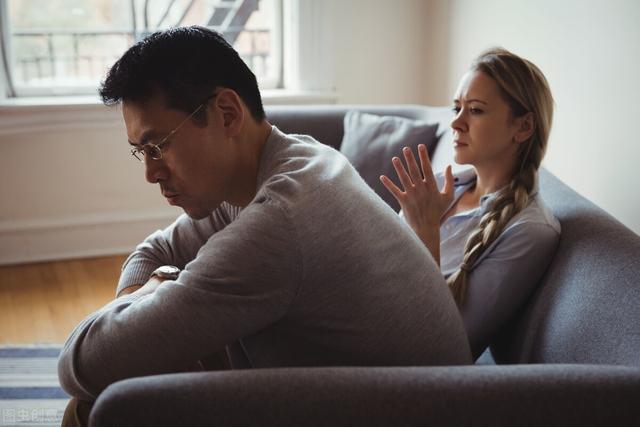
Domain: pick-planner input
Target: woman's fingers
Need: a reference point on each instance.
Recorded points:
(405, 179)
(412, 165)
(393, 188)
(425, 163)
(447, 191)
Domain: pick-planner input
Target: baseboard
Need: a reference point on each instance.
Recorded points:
(79, 236)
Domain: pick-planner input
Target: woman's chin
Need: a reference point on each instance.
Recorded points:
(461, 159)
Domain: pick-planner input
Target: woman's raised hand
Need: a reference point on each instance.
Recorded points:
(422, 203)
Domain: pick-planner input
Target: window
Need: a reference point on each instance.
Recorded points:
(65, 47)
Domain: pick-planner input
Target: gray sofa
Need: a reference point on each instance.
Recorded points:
(570, 357)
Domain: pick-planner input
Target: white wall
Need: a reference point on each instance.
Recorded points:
(590, 52)
(381, 50)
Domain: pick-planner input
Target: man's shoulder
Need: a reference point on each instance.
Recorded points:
(300, 164)
(298, 145)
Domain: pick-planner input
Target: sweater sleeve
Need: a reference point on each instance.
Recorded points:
(503, 279)
(175, 245)
(242, 280)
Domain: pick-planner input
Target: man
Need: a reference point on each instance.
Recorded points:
(284, 257)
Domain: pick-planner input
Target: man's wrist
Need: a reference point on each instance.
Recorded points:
(128, 290)
(166, 272)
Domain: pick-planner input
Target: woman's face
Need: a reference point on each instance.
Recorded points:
(484, 131)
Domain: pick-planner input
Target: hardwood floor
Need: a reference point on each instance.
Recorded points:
(42, 303)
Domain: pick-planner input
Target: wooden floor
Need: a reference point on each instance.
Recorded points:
(42, 303)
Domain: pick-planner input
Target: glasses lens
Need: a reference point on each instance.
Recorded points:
(154, 152)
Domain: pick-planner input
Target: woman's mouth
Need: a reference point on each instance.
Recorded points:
(459, 144)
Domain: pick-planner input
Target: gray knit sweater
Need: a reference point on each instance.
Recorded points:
(316, 270)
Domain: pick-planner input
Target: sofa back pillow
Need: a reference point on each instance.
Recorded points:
(370, 141)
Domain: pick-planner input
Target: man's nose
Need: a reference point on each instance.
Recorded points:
(155, 170)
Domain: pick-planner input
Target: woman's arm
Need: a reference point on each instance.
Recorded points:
(503, 278)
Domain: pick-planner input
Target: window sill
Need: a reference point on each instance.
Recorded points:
(46, 114)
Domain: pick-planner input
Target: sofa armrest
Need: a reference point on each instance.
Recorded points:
(416, 396)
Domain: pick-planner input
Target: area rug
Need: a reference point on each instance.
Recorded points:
(30, 394)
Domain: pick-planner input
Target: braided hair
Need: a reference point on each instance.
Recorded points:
(526, 90)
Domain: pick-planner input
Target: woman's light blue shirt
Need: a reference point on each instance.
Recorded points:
(506, 273)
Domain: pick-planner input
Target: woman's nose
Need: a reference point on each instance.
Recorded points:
(458, 123)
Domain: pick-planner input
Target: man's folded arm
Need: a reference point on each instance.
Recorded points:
(176, 245)
(242, 281)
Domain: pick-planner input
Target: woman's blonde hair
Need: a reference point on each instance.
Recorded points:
(526, 90)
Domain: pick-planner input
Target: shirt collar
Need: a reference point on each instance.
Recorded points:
(463, 179)
(268, 151)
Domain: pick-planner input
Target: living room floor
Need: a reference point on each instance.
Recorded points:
(42, 303)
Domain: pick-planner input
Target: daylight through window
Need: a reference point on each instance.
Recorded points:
(65, 47)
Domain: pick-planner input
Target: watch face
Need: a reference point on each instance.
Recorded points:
(167, 272)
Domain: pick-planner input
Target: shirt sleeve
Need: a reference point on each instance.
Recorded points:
(242, 280)
(502, 280)
(176, 245)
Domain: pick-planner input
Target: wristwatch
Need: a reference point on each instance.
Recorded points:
(166, 272)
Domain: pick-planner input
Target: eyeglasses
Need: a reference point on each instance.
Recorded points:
(154, 151)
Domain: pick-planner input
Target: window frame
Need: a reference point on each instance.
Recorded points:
(34, 115)
(9, 90)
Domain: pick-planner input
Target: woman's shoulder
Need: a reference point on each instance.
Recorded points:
(536, 218)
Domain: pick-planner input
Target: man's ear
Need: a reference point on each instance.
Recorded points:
(231, 107)
(526, 127)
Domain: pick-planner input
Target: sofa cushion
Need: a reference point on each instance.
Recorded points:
(370, 141)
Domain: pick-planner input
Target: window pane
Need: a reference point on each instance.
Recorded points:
(66, 46)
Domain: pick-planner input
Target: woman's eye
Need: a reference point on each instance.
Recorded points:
(456, 109)
(476, 111)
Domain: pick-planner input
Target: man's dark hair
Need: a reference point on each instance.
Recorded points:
(186, 64)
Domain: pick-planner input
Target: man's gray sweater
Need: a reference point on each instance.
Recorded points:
(317, 270)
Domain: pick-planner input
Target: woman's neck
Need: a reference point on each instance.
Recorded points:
(490, 179)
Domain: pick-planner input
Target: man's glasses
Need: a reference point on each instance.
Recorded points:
(154, 151)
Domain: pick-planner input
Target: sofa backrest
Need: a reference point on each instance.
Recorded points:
(587, 307)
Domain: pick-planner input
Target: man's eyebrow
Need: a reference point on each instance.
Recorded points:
(146, 137)
(471, 100)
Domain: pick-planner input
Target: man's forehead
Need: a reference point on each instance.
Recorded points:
(155, 102)
(143, 119)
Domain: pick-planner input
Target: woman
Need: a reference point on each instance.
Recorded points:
(488, 229)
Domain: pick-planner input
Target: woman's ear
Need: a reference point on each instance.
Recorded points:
(229, 104)
(526, 127)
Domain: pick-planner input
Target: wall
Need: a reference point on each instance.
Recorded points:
(590, 52)
(380, 50)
